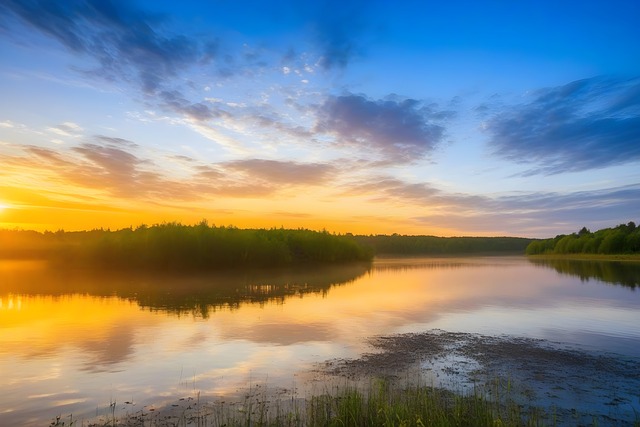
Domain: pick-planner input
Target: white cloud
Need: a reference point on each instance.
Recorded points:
(218, 137)
(69, 129)
(286, 70)
(6, 124)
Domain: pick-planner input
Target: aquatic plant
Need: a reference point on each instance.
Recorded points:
(379, 404)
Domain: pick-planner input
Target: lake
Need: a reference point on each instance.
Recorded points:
(74, 342)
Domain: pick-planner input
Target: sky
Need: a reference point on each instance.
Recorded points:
(484, 118)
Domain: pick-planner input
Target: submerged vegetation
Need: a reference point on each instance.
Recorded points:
(174, 246)
(623, 239)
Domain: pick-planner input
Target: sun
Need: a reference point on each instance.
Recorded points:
(3, 206)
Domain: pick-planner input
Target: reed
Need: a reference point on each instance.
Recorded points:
(380, 403)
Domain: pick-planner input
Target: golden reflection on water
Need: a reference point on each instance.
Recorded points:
(71, 339)
(11, 303)
(375, 303)
(101, 327)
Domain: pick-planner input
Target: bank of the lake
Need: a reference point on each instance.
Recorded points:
(587, 257)
(544, 382)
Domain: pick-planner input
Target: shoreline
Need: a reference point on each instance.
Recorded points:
(588, 257)
(560, 384)
(571, 386)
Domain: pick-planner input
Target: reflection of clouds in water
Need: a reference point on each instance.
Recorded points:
(113, 347)
(284, 333)
(100, 331)
(196, 339)
(52, 373)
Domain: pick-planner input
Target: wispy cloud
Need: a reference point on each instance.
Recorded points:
(534, 214)
(542, 214)
(125, 42)
(68, 129)
(199, 111)
(114, 166)
(283, 172)
(402, 130)
(387, 188)
(586, 124)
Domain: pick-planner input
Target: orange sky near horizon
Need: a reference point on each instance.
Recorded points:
(30, 210)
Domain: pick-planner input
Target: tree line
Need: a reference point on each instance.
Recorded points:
(175, 246)
(623, 239)
(201, 246)
(397, 244)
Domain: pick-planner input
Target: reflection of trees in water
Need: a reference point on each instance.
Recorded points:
(198, 294)
(442, 263)
(616, 272)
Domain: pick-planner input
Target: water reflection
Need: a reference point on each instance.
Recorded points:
(443, 263)
(69, 335)
(198, 294)
(625, 273)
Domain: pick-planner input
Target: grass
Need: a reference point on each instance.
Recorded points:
(383, 405)
(378, 404)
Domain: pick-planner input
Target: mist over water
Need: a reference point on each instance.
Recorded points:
(73, 341)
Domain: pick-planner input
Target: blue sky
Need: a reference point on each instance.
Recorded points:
(447, 118)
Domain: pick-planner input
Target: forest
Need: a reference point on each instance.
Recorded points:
(397, 244)
(623, 239)
(174, 246)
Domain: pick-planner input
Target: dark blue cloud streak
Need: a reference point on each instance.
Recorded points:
(587, 124)
(126, 42)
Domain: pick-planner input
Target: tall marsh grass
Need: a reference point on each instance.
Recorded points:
(379, 404)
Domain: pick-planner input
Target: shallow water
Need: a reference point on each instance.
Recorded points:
(76, 342)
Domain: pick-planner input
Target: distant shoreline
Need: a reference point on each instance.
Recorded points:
(589, 257)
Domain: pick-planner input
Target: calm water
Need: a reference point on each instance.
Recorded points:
(73, 342)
